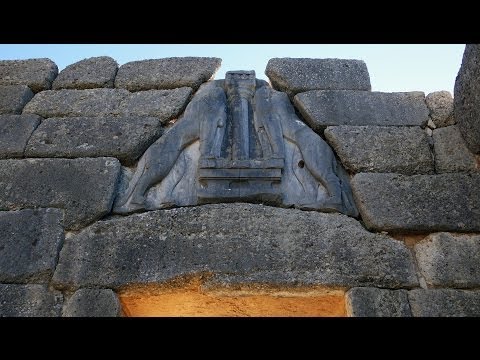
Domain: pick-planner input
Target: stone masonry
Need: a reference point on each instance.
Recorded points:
(70, 140)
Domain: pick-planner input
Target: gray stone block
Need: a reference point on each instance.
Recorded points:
(242, 243)
(29, 244)
(125, 138)
(92, 303)
(83, 187)
(164, 104)
(13, 98)
(15, 130)
(76, 103)
(451, 152)
(444, 303)
(402, 150)
(37, 74)
(29, 300)
(440, 104)
(400, 203)
(448, 261)
(294, 75)
(373, 302)
(466, 105)
(166, 73)
(91, 73)
(324, 108)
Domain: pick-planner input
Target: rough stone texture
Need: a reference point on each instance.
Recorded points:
(294, 75)
(120, 137)
(13, 98)
(444, 302)
(37, 74)
(92, 303)
(83, 187)
(467, 97)
(402, 150)
(29, 300)
(94, 72)
(373, 302)
(15, 130)
(443, 202)
(451, 152)
(440, 104)
(76, 103)
(240, 242)
(29, 244)
(166, 73)
(448, 261)
(164, 104)
(324, 108)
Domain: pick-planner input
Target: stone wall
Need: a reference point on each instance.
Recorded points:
(68, 138)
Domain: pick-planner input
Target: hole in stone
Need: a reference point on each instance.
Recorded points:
(192, 297)
(301, 164)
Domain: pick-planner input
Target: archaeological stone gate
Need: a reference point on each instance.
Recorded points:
(154, 189)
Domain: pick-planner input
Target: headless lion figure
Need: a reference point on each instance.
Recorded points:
(205, 120)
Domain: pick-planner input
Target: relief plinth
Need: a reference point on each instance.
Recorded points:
(239, 140)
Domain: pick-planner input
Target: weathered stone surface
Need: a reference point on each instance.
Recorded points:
(29, 300)
(166, 73)
(125, 138)
(164, 104)
(466, 106)
(451, 152)
(324, 108)
(13, 98)
(29, 244)
(15, 130)
(37, 74)
(373, 302)
(294, 75)
(92, 303)
(83, 187)
(394, 202)
(76, 103)
(94, 72)
(402, 150)
(243, 242)
(444, 303)
(440, 104)
(449, 261)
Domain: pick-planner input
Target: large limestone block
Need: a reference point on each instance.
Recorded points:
(444, 303)
(445, 260)
(374, 302)
(403, 150)
(324, 108)
(37, 74)
(91, 73)
(295, 75)
(400, 203)
(466, 105)
(31, 300)
(13, 98)
(166, 73)
(29, 244)
(125, 138)
(92, 303)
(84, 188)
(15, 130)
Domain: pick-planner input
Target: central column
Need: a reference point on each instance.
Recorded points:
(240, 90)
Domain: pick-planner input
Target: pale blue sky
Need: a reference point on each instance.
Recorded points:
(419, 67)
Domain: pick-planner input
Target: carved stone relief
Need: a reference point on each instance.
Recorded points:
(239, 140)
